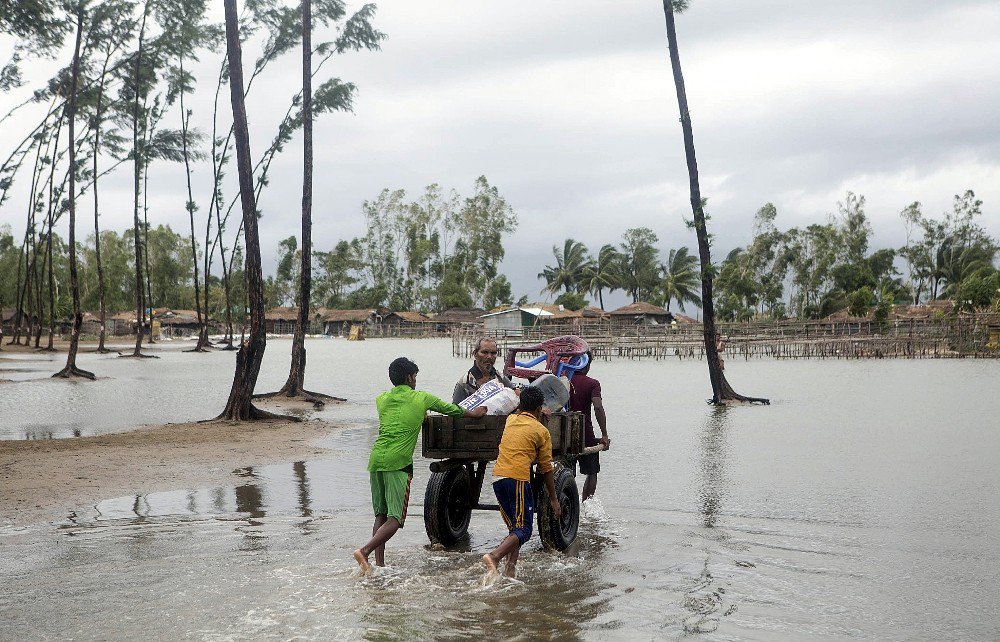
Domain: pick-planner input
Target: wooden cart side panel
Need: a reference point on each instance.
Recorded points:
(479, 439)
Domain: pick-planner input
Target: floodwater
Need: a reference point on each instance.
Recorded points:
(861, 504)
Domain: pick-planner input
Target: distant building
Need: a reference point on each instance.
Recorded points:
(513, 321)
(457, 317)
(280, 320)
(339, 322)
(123, 324)
(640, 313)
(405, 319)
(177, 323)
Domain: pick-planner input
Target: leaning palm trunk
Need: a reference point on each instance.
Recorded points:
(294, 386)
(721, 390)
(74, 342)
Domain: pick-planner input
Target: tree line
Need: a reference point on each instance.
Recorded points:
(803, 272)
(441, 251)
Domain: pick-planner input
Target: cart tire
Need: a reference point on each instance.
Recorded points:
(559, 534)
(448, 506)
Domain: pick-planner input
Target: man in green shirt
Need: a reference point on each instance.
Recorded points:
(400, 415)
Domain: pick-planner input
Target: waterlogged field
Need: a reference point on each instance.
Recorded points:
(860, 504)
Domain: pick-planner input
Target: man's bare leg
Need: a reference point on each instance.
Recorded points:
(589, 486)
(511, 567)
(380, 551)
(362, 561)
(508, 546)
(382, 535)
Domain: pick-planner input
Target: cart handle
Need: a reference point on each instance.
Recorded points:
(590, 450)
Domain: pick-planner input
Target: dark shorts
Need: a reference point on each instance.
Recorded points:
(517, 506)
(589, 464)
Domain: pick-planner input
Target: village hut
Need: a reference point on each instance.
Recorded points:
(123, 324)
(8, 317)
(683, 319)
(90, 323)
(178, 323)
(561, 313)
(280, 320)
(454, 318)
(512, 322)
(640, 313)
(339, 322)
(404, 319)
(993, 336)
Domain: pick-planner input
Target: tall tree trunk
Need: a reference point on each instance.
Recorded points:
(21, 258)
(101, 289)
(226, 272)
(24, 289)
(145, 243)
(721, 390)
(295, 385)
(38, 275)
(50, 347)
(251, 353)
(74, 341)
(48, 244)
(138, 159)
(185, 116)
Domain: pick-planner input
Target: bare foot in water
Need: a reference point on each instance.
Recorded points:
(362, 561)
(491, 566)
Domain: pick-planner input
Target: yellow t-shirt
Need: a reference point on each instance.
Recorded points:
(524, 441)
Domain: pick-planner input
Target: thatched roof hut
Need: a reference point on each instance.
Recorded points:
(339, 322)
(454, 317)
(641, 313)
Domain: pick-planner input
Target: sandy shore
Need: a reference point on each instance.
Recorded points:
(45, 481)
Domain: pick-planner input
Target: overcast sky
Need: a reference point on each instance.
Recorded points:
(568, 107)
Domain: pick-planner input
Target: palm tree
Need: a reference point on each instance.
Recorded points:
(721, 390)
(955, 262)
(601, 273)
(680, 279)
(567, 273)
(638, 265)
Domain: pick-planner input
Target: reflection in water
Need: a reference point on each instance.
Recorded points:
(141, 508)
(250, 499)
(219, 499)
(703, 598)
(302, 485)
(713, 464)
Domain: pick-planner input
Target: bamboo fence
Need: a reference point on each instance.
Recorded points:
(961, 336)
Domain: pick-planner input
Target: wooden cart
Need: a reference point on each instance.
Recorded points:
(465, 447)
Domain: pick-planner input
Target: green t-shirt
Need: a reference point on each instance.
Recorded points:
(400, 415)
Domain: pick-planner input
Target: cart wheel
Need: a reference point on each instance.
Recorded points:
(559, 534)
(448, 506)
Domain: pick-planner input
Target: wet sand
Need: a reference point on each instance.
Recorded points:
(48, 480)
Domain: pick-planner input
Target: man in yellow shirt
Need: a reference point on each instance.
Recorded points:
(524, 441)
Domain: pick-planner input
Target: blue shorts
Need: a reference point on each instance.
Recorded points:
(517, 506)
